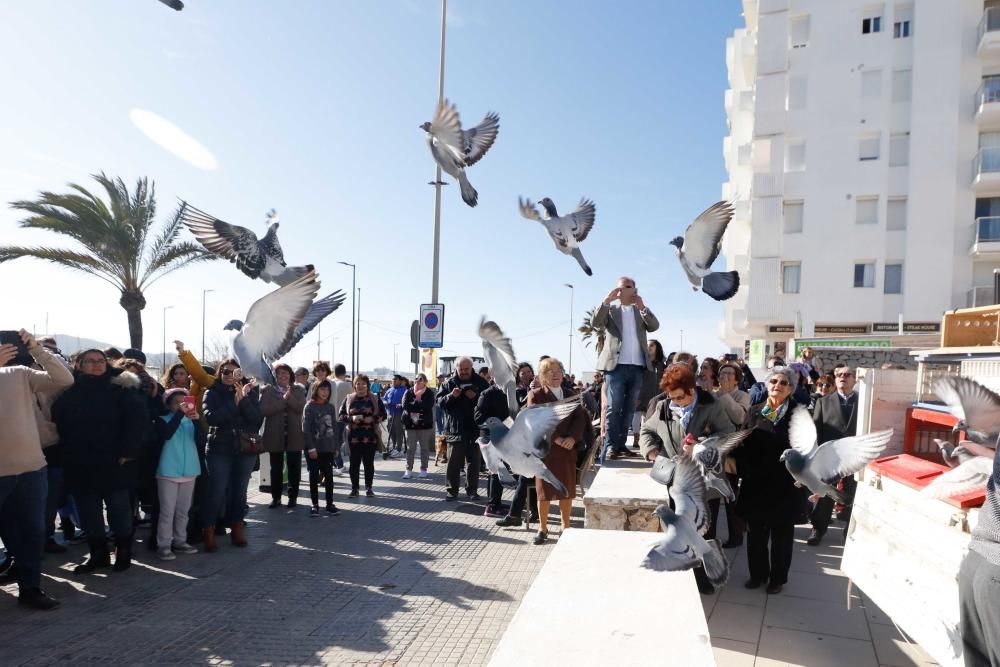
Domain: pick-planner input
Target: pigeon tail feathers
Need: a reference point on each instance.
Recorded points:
(716, 565)
(721, 285)
(583, 263)
(469, 194)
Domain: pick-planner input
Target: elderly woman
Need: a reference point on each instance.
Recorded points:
(769, 501)
(737, 405)
(362, 411)
(282, 404)
(561, 459)
(688, 412)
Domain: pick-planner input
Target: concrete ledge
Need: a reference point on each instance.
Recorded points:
(591, 604)
(623, 496)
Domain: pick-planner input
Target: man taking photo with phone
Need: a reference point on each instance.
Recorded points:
(23, 478)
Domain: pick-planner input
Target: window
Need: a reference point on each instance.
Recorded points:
(796, 93)
(791, 274)
(798, 32)
(902, 21)
(900, 29)
(871, 83)
(893, 283)
(868, 146)
(864, 274)
(901, 82)
(871, 25)
(791, 221)
(743, 155)
(795, 155)
(895, 214)
(899, 150)
(867, 211)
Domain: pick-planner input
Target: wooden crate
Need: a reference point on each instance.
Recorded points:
(971, 327)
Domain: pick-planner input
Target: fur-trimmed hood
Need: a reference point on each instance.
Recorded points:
(126, 380)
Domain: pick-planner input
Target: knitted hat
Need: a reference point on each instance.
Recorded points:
(170, 393)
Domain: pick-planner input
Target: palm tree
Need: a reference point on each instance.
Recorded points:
(590, 332)
(116, 239)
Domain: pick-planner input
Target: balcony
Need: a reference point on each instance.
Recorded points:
(988, 104)
(986, 171)
(989, 34)
(986, 244)
(979, 296)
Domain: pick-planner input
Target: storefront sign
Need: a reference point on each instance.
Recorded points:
(844, 343)
(781, 328)
(756, 357)
(841, 329)
(908, 327)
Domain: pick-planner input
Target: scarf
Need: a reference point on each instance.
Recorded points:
(685, 413)
(774, 416)
(419, 392)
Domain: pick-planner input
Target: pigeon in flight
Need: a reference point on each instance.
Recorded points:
(495, 465)
(682, 546)
(700, 246)
(972, 475)
(173, 4)
(819, 468)
(271, 326)
(256, 258)
(956, 455)
(499, 355)
(521, 445)
(454, 149)
(568, 231)
(976, 407)
(708, 455)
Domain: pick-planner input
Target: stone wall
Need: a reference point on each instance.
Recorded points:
(865, 358)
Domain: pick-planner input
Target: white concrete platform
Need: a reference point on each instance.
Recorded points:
(623, 496)
(591, 604)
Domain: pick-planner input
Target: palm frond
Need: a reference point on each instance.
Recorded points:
(69, 258)
(166, 237)
(175, 257)
(590, 332)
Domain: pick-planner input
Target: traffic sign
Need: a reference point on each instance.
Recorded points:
(431, 325)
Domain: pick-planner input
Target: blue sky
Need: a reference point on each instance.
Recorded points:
(313, 108)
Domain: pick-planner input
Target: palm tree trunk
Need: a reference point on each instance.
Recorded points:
(133, 302)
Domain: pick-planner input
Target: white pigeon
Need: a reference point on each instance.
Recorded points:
(700, 246)
(567, 231)
(499, 354)
(819, 468)
(972, 475)
(454, 149)
(495, 464)
(976, 407)
(682, 546)
(521, 446)
(270, 327)
(256, 258)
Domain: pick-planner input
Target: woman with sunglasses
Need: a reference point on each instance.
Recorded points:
(825, 386)
(768, 501)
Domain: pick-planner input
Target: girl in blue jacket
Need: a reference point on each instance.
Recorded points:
(179, 465)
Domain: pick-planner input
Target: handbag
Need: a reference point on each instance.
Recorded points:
(247, 444)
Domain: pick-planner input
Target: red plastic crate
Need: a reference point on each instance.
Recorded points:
(917, 473)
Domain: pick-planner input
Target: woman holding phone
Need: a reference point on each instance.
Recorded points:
(362, 411)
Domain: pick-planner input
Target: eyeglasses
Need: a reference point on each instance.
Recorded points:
(93, 362)
(844, 375)
(823, 385)
(677, 397)
(776, 381)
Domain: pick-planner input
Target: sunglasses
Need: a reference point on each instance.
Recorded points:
(783, 383)
(823, 385)
(844, 375)
(226, 372)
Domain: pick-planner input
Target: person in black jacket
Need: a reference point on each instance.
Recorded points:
(230, 408)
(103, 423)
(492, 403)
(457, 398)
(418, 418)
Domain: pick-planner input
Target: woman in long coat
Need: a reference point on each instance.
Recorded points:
(282, 404)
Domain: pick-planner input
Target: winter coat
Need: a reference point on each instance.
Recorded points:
(393, 401)
(491, 403)
(459, 411)
(100, 421)
(767, 491)
(662, 431)
(422, 409)
(179, 446)
(318, 431)
(282, 419)
(200, 380)
(226, 418)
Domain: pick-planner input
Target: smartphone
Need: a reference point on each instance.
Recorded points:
(729, 357)
(22, 358)
(190, 401)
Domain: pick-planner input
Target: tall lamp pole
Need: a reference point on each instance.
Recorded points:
(163, 354)
(354, 275)
(203, 293)
(437, 173)
(359, 330)
(394, 357)
(571, 292)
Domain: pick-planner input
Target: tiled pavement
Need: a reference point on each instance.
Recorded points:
(400, 579)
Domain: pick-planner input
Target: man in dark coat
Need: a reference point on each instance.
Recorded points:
(836, 416)
(457, 398)
(492, 403)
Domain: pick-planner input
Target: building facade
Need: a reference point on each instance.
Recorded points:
(864, 163)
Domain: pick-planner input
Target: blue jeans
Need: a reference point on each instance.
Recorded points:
(228, 477)
(119, 504)
(623, 386)
(22, 507)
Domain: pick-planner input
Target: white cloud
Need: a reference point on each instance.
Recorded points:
(173, 139)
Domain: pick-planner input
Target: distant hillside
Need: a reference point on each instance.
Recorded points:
(70, 344)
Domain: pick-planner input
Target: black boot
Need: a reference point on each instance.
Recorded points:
(123, 554)
(98, 557)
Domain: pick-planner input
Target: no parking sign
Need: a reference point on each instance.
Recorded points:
(431, 325)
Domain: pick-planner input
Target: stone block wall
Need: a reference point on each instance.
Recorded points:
(862, 358)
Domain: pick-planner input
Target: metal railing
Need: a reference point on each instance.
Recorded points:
(989, 91)
(987, 161)
(979, 296)
(990, 21)
(988, 229)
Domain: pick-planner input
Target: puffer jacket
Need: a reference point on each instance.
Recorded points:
(226, 418)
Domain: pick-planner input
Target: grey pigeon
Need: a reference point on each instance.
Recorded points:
(173, 4)
(954, 455)
(454, 149)
(682, 546)
(567, 231)
(495, 464)
(700, 246)
(256, 258)
(271, 326)
(971, 475)
(976, 407)
(521, 446)
(499, 354)
(819, 468)
(708, 453)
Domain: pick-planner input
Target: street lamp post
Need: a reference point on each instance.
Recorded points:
(163, 353)
(395, 359)
(203, 293)
(359, 330)
(571, 292)
(437, 173)
(354, 275)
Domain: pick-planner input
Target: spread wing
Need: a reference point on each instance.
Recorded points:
(802, 431)
(317, 311)
(499, 353)
(479, 139)
(672, 553)
(703, 238)
(447, 127)
(237, 244)
(581, 221)
(710, 451)
(966, 478)
(971, 402)
(533, 424)
(839, 458)
(528, 209)
(688, 492)
(271, 323)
